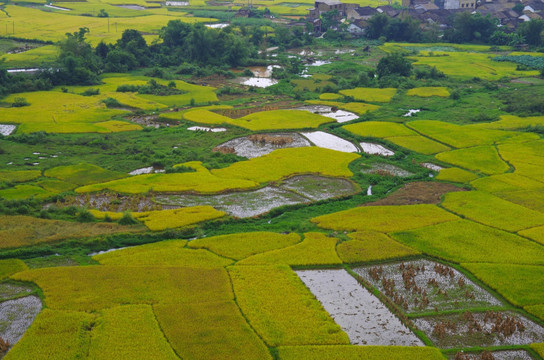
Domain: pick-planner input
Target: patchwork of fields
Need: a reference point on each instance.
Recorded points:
(109, 214)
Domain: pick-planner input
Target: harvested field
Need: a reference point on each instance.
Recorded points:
(360, 314)
(497, 355)
(492, 328)
(422, 286)
(417, 193)
(16, 316)
(261, 144)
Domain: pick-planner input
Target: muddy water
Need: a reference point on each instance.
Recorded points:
(360, 314)
(384, 169)
(251, 149)
(376, 149)
(338, 115)
(432, 166)
(6, 129)
(296, 190)
(329, 141)
(204, 128)
(16, 316)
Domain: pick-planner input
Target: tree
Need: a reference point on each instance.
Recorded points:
(329, 19)
(377, 25)
(394, 64)
(532, 31)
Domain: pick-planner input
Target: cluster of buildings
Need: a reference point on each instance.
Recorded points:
(429, 11)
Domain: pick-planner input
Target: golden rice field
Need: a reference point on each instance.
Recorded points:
(384, 218)
(342, 352)
(32, 23)
(370, 94)
(371, 246)
(19, 230)
(266, 120)
(482, 159)
(19, 176)
(315, 249)
(92, 288)
(11, 266)
(456, 175)
(280, 309)
(243, 245)
(428, 92)
(207, 324)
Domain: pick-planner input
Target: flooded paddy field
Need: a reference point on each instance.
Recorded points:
(375, 149)
(386, 170)
(361, 315)
(16, 316)
(423, 285)
(261, 144)
(329, 141)
(6, 129)
(295, 190)
(330, 112)
(492, 328)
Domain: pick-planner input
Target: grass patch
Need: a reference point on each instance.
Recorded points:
(315, 249)
(281, 309)
(467, 241)
(490, 210)
(456, 175)
(484, 159)
(243, 245)
(16, 231)
(19, 176)
(371, 246)
(90, 288)
(169, 253)
(83, 174)
(330, 96)
(211, 330)
(10, 267)
(370, 94)
(384, 218)
(342, 352)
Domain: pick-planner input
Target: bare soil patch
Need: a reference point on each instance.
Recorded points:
(417, 193)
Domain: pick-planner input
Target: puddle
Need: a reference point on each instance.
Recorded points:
(11, 71)
(263, 72)
(386, 170)
(203, 128)
(329, 141)
(423, 285)
(376, 149)
(16, 316)
(318, 63)
(411, 112)
(145, 170)
(480, 329)
(253, 146)
(432, 166)
(256, 81)
(57, 8)
(497, 355)
(361, 315)
(131, 7)
(295, 190)
(214, 26)
(338, 115)
(7, 129)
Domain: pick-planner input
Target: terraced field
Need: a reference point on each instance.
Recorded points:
(214, 220)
